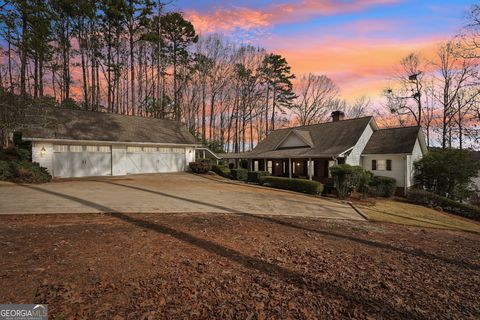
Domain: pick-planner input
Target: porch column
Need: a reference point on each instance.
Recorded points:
(309, 168)
(289, 167)
(265, 165)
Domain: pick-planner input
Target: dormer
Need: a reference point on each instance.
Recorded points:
(296, 139)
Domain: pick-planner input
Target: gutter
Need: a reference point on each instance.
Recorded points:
(111, 142)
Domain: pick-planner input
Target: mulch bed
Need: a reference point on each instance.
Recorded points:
(216, 266)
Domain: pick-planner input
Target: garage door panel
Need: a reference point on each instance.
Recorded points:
(76, 162)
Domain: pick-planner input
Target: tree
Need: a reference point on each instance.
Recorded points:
(317, 96)
(358, 108)
(447, 172)
(178, 34)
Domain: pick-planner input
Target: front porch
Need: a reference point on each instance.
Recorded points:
(303, 168)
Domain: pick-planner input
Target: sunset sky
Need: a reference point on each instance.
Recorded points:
(355, 42)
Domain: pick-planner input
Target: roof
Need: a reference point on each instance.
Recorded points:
(392, 140)
(328, 140)
(72, 124)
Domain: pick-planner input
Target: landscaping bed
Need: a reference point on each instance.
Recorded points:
(236, 266)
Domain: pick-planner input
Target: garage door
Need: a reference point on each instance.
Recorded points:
(152, 160)
(82, 161)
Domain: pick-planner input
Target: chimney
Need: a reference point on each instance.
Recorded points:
(337, 116)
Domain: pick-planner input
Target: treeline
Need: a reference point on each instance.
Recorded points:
(135, 57)
(441, 93)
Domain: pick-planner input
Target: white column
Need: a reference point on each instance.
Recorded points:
(289, 167)
(309, 169)
(265, 165)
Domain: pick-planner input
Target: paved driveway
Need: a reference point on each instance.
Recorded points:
(162, 193)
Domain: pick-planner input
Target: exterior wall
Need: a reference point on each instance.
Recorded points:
(45, 160)
(119, 155)
(416, 155)
(189, 155)
(354, 158)
(398, 171)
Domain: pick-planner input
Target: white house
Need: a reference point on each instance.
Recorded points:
(77, 143)
(309, 151)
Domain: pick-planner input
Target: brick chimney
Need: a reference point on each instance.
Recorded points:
(337, 116)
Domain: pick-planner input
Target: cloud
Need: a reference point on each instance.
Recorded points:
(235, 17)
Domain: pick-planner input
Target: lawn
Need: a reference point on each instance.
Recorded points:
(236, 266)
(416, 215)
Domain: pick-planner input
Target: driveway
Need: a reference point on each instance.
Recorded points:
(163, 193)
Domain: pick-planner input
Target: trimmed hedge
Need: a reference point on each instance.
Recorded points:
(299, 185)
(452, 206)
(384, 186)
(200, 166)
(23, 172)
(221, 170)
(239, 174)
(254, 176)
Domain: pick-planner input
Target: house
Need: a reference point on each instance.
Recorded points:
(77, 143)
(309, 151)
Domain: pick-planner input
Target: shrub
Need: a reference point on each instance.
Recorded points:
(23, 172)
(13, 153)
(384, 186)
(452, 206)
(299, 185)
(239, 174)
(221, 170)
(348, 178)
(200, 166)
(254, 176)
(447, 172)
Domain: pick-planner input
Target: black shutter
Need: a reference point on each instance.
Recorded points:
(389, 165)
(374, 164)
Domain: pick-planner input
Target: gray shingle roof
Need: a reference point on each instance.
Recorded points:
(328, 139)
(60, 123)
(393, 140)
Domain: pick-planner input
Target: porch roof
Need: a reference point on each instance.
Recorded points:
(280, 154)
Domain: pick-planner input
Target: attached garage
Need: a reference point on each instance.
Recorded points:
(83, 144)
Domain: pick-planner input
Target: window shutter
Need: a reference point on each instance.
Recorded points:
(374, 164)
(389, 165)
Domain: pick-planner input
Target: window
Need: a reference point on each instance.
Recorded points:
(60, 148)
(76, 148)
(382, 165)
(92, 149)
(178, 150)
(269, 166)
(134, 149)
(165, 150)
(149, 149)
(255, 165)
(103, 148)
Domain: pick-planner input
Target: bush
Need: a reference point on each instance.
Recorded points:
(12, 154)
(254, 176)
(348, 178)
(384, 186)
(221, 170)
(452, 206)
(23, 172)
(239, 174)
(299, 185)
(200, 166)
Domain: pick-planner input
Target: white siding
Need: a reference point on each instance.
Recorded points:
(354, 158)
(398, 166)
(190, 155)
(416, 155)
(46, 159)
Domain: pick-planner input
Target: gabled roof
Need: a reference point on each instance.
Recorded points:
(393, 141)
(328, 139)
(70, 124)
(302, 135)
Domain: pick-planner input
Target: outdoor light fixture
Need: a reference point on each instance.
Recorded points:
(276, 164)
(43, 152)
(298, 163)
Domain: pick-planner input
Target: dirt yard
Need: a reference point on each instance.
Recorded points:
(236, 266)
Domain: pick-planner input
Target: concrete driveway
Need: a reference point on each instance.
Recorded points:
(163, 193)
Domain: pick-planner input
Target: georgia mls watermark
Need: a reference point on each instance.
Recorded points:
(23, 311)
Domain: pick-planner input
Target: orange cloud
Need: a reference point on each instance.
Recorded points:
(227, 19)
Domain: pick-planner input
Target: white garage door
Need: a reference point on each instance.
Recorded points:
(82, 161)
(152, 159)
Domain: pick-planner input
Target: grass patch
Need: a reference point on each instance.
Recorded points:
(416, 215)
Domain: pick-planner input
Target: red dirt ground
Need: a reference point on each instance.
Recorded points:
(221, 266)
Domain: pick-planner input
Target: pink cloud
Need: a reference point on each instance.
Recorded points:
(227, 19)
